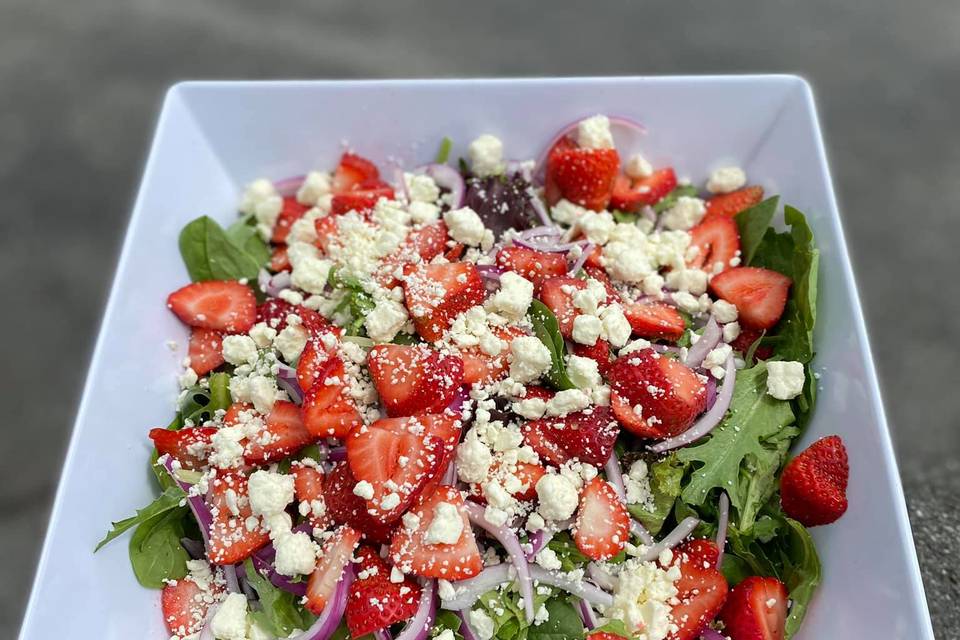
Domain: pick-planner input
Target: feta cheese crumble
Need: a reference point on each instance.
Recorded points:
(726, 180)
(785, 379)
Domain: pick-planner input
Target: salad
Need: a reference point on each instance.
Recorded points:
(522, 400)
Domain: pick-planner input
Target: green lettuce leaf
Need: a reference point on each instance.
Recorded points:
(243, 234)
(169, 500)
(546, 328)
(753, 224)
(564, 622)
(279, 612)
(570, 556)
(155, 551)
(743, 454)
(671, 198)
(665, 477)
(210, 254)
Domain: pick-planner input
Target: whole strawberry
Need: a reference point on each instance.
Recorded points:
(813, 487)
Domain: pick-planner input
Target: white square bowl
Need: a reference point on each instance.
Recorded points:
(213, 137)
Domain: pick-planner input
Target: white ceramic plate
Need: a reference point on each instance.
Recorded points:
(213, 137)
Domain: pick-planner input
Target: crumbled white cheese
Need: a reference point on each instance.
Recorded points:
(638, 167)
(482, 624)
(583, 372)
(567, 401)
(726, 180)
(724, 311)
(291, 341)
(558, 497)
(547, 558)
(315, 186)
(239, 349)
(530, 359)
(643, 598)
(363, 489)
(684, 214)
(230, 620)
(446, 526)
(269, 492)
(513, 298)
(486, 156)
(530, 408)
(566, 212)
(693, 281)
(263, 335)
(296, 554)
(594, 133)
(587, 329)
(616, 327)
(473, 459)
(785, 379)
(731, 330)
(261, 200)
(311, 274)
(465, 226)
(422, 188)
(386, 320)
(424, 212)
(637, 484)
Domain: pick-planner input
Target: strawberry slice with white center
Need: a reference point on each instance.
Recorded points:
(308, 483)
(535, 266)
(586, 435)
(413, 380)
(717, 239)
(185, 604)
(231, 540)
(292, 211)
(351, 171)
(756, 610)
(480, 367)
(375, 602)
(396, 458)
(702, 590)
(313, 363)
(603, 524)
(187, 446)
(337, 552)
(221, 305)
(283, 434)
(631, 194)
(438, 293)
(730, 204)
(327, 409)
(760, 294)
(206, 350)
(411, 551)
(669, 394)
(557, 293)
(654, 320)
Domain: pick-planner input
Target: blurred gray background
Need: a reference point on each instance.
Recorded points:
(80, 84)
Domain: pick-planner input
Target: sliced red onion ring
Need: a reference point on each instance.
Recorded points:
(672, 539)
(563, 247)
(199, 508)
(579, 588)
(709, 420)
(419, 626)
(450, 179)
(266, 569)
(193, 547)
(230, 577)
(538, 542)
(244, 581)
(337, 454)
(587, 615)
(603, 578)
(472, 588)
(541, 231)
(615, 476)
(491, 276)
(287, 380)
(465, 629)
(708, 340)
(206, 632)
(329, 620)
(637, 529)
(540, 209)
(272, 285)
(382, 634)
(711, 392)
(724, 509)
(289, 186)
(712, 634)
(511, 543)
(628, 123)
(584, 255)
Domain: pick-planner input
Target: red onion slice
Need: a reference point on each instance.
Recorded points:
(541, 231)
(419, 626)
(382, 634)
(563, 247)
(272, 285)
(708, 340)
(709, 420)
(230, 577)
(637, 529)
(538, 542)
(287, 380)
(579, 588)
(712, 634)
(724, 509)
(325, 626)
(289, 186)
(615, 478)
(540, 209)
(450, 179)
(465, 629)
(511, 543)
(467, 591)
(603, 578)
(199, 508)
(584, 255)
(672, 539)
(587, 615)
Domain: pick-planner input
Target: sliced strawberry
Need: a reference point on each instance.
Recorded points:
(230, 539)
(438, 293)
(327, 231)
(284, 434)
(599, 351)
(557, 293)
(654, 320)
(535, 435)
(397, 464)
(206, 351)
(480, 367)
(414, 380)
(312, 363)
(274, 312)
(279, 260)
(760, 294)
(730, 204)
(629, 419)
(345, 507)
(528, 473)
(631, 195)
(745, 340)
(360, 200)
(535, 266)
(185, 604)
(597, 272)
(456, 561)
(602, 527)
(291, 212)
(327, 409)
(604, 635)
(583, 176)
(222, 305)
(717, 240)
(446, 427)
(308, 484)
(670, 394)
(188, 446)
(428, 241)
(701, 588)
(375, 602)
(351, 171)
(586, 435)
(337, 552)
(813, 487)
(756, 610)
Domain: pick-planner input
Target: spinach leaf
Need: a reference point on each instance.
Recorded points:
(753, 224)
(665, 477)
(443, 154)
(570, 556)
(169, 500)
(564, 622)
(446, 620)
(243, 234)
(155, 550)
(279, 612)
(546, 328)
(671, 198)
(209, 253)
(744, 452)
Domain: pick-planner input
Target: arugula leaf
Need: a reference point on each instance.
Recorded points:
(443, 154)
(665, 477)
(744, 452)
(278, 612)
(801, 573)
(614, 626)
(356, 299)
(671, 198)
(546, 328)
(209, 253)
(155, 550)
(753, 224)
(243, 234)
(625, 217)
(564, 622)
(170, 499)
(201, 402)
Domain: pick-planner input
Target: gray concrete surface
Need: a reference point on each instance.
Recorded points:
(80, 83)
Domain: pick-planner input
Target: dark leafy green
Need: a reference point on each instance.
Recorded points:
(665, 476)
(546, 328)
(201, 402)
(446, 620)
(243, 234)
(169, 500)
(210, 254)
(564, 622)
(357, 301)
(279, 612)
(753, 224)
(501, 201)
(614, 626)
(155, 550)
(570, 556)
